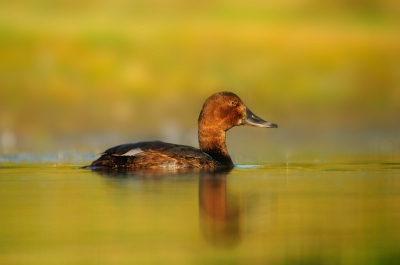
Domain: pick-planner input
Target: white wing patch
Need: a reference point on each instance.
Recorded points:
(133, 152)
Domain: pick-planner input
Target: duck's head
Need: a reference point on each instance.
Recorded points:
(225, 110)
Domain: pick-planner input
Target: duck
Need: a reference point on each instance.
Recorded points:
(220, 112)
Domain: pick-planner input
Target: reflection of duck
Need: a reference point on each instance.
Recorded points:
(220, 112)
(220, 216)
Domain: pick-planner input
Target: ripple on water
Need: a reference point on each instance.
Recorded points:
(248, 166)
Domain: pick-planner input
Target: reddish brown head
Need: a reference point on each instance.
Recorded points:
(224, 110)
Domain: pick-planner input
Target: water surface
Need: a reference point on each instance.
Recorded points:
(282, 213)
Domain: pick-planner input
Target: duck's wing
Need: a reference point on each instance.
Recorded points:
(141, 148)
(154, 154)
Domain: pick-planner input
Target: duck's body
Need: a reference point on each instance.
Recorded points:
(155, 154)
(220, 112)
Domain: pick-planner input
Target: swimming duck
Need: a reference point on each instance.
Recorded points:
(220, 112)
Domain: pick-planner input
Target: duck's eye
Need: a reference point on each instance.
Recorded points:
(232, 103)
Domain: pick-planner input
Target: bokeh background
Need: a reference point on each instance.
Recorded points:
(80, 76)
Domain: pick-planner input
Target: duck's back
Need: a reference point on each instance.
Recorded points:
(154, 154)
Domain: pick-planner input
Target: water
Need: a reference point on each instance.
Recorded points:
(282, 213)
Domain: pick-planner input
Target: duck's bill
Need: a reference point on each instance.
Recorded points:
(254, 120)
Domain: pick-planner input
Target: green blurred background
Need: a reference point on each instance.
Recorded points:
(89, 74)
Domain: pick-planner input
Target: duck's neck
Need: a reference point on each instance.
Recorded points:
(212, 142)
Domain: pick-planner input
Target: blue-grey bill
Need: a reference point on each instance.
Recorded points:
(254, 120)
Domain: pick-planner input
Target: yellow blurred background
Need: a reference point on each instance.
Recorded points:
(95, 73)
